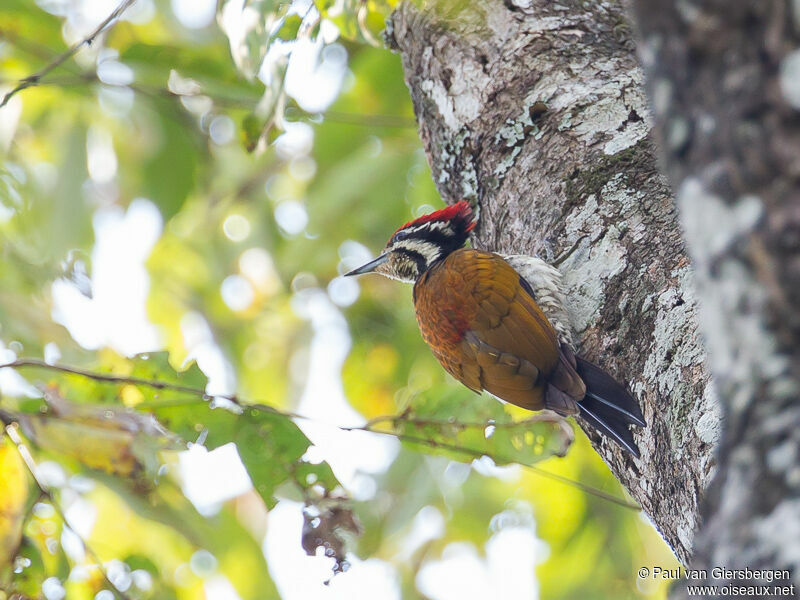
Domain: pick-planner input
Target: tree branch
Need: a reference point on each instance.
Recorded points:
(369, 427)
(345, 118)
(33, 79)
(475, 453)
(120, 379)
(404, 417)
(723, 79)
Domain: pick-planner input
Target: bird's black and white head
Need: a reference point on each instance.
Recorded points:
(419, 244)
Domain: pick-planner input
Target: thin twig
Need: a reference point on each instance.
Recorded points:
(369, 120)
(421, 422)
(479, 453)
(45, 492)
(32, 80)
(331, 116)
(152, 383)
(369, 427)
(123, 379)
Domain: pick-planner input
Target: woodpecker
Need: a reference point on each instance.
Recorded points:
(499, 323)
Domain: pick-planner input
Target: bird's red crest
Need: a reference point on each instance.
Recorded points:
(459, 212)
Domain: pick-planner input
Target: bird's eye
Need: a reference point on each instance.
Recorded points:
(401, 235)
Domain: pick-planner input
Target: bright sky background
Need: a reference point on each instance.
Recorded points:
(115, 316)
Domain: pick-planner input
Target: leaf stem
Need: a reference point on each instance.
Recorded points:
(405, 418)
(498, 459)
(369, 427)
(119, 379)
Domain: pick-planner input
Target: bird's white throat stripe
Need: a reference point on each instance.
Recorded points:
(428, 250)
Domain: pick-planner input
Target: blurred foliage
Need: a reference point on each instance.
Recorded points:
(193, 148)
(483, 428)
(13, 503)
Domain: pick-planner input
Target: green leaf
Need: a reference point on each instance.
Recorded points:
(156, 366)
(32, 569)
(270, 445)
(139, 561)
(464, 427)
(13, 502)
(20, 16)
(249, 52)
(266, 7)
(239, 556)
(309, 474)
(49, 226)
(170, 175)
(289, 28)
(252, 126)
(39, 557)
(110, 439)
(153, 63)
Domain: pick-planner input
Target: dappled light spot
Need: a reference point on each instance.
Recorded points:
(115, 316)
(506, 571)
(280, 187)
(211, 478)
(200, 345)
(100, 156)
(222, 130)
(194, 14)
(343, 291)
(113, 72)
(257, 266)
(115, 101)
(301, 282)
(428, 524)
(236, 228)
(291, 217)
(302, 168)
(237, 292)
(315, 74)
(296, 141)
(219, 587)
(352, 254)
(203, 563)
(52, 589)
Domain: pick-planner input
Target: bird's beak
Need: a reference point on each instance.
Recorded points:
(370, 266)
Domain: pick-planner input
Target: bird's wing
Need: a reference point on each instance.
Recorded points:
(489, 333)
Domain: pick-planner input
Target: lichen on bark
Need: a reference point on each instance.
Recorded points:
(535, 112)
(723, 79)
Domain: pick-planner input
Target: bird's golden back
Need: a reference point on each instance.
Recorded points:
(485, 328)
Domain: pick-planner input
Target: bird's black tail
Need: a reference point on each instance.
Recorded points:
(608, 406)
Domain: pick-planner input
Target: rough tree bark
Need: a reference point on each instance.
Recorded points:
(535, 111)
(725, 83)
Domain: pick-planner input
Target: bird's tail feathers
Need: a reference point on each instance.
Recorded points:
(608, 406)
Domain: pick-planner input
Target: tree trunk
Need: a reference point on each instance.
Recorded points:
(725, 82)
(535, 111)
